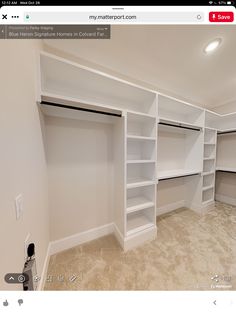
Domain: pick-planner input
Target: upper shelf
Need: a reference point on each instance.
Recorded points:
(226, 169)
(219, 122)
(68, 79)
(67, 107)
(171, 109)
(227, 131)
(181, 125)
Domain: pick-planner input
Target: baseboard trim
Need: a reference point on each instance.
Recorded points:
(170, 207)
(118, 235)
(225, 199)
(79, 238)
(137, 239)
(45, 268)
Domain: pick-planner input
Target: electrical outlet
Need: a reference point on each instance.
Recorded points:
(26, 244)
(19, 206)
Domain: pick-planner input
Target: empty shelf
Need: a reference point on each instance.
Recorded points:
(138, 222)
(140, 114)
(208, 187)
(177, 173)
(52, 103)
(136, 182)
(179, 124)
(226, 169)
(227, 131)
(140, 161)
(138, 203)
(207, 202)
(207, 173)
(137, 137)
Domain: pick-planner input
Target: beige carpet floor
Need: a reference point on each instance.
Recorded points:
(191, 252)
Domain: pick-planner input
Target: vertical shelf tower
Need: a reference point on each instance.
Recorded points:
(209, 165)
(140, 202)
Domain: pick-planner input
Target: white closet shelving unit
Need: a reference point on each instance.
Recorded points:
(180, 149)
(165, 149)
(223, 151)
(209, 165)
(69, 90)
(140, 170)
(226, 161)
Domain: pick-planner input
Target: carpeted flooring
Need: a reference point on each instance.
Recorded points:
(191, 252)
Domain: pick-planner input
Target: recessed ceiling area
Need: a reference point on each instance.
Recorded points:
(169, 57)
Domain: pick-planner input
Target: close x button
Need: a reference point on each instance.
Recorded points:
(221, 17)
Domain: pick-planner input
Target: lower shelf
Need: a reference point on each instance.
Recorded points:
(208, 195)
(138, 221)
(136, 182)
(205, 188)
(138, 203)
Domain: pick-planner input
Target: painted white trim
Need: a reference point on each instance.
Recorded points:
(225, 199)
(170, 207)
(203, 208)
(45, 268)
(140, 238)
(118, 235)
(79, 238)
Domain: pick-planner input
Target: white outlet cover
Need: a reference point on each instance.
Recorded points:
(19, 206)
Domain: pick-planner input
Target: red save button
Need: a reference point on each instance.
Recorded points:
(222, 17)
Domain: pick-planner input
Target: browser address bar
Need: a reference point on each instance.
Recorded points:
(114, 17)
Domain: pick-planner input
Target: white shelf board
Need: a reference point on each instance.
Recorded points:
(211, 129)
(227, 130)
(209, 143)
(138, 203)
(229, 169)
(139, 115)
(141, 138)
(208, 202)
(208, 173)
(209, 158)
(136, 182)
(138, 223)
(70, 78)
(176, 173)
(208, 187)
(78, 103)
(179, 123)
(140, 161)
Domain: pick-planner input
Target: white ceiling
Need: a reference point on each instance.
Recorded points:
(169, 57)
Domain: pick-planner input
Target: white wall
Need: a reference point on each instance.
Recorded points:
(170, 192)
(80, 170)
(22, 159)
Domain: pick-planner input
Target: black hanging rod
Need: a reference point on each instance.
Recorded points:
(180, 176)
(180, 126)
(48, 103)
(226, 132)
